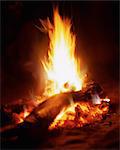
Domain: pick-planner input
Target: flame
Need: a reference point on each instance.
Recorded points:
(80, 114)
(20, 118)
(63, 75)
(61, 66)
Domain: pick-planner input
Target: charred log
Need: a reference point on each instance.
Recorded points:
(42, 116)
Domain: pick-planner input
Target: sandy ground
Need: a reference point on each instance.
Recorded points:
(104, 135)
(101, 136)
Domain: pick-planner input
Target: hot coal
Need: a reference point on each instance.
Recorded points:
(43, 115)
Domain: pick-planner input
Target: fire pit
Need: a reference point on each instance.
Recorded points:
(70, 104)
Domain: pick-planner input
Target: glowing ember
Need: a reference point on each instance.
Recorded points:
(80, 114)
(23, 115)
(61, 67)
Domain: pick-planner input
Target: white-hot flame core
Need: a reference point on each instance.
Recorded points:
(62, 67)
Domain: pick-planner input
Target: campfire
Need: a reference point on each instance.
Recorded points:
(62, 67)
(64, 75)
(68, 100)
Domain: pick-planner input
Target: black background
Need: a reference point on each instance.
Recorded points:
(96, 25)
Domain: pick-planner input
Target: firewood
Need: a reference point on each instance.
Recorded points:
(51, 107)
(86, 93)
(43, 115)
(37, 123)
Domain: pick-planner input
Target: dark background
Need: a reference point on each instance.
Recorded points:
(23, 46)
(97, 30)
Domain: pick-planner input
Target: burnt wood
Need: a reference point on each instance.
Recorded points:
(43, 115)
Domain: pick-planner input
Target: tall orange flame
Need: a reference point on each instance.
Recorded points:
(61, 67)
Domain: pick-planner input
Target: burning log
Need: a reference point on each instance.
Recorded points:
(38, 121)
(44, 114)
(52, 106)
(86, 93)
